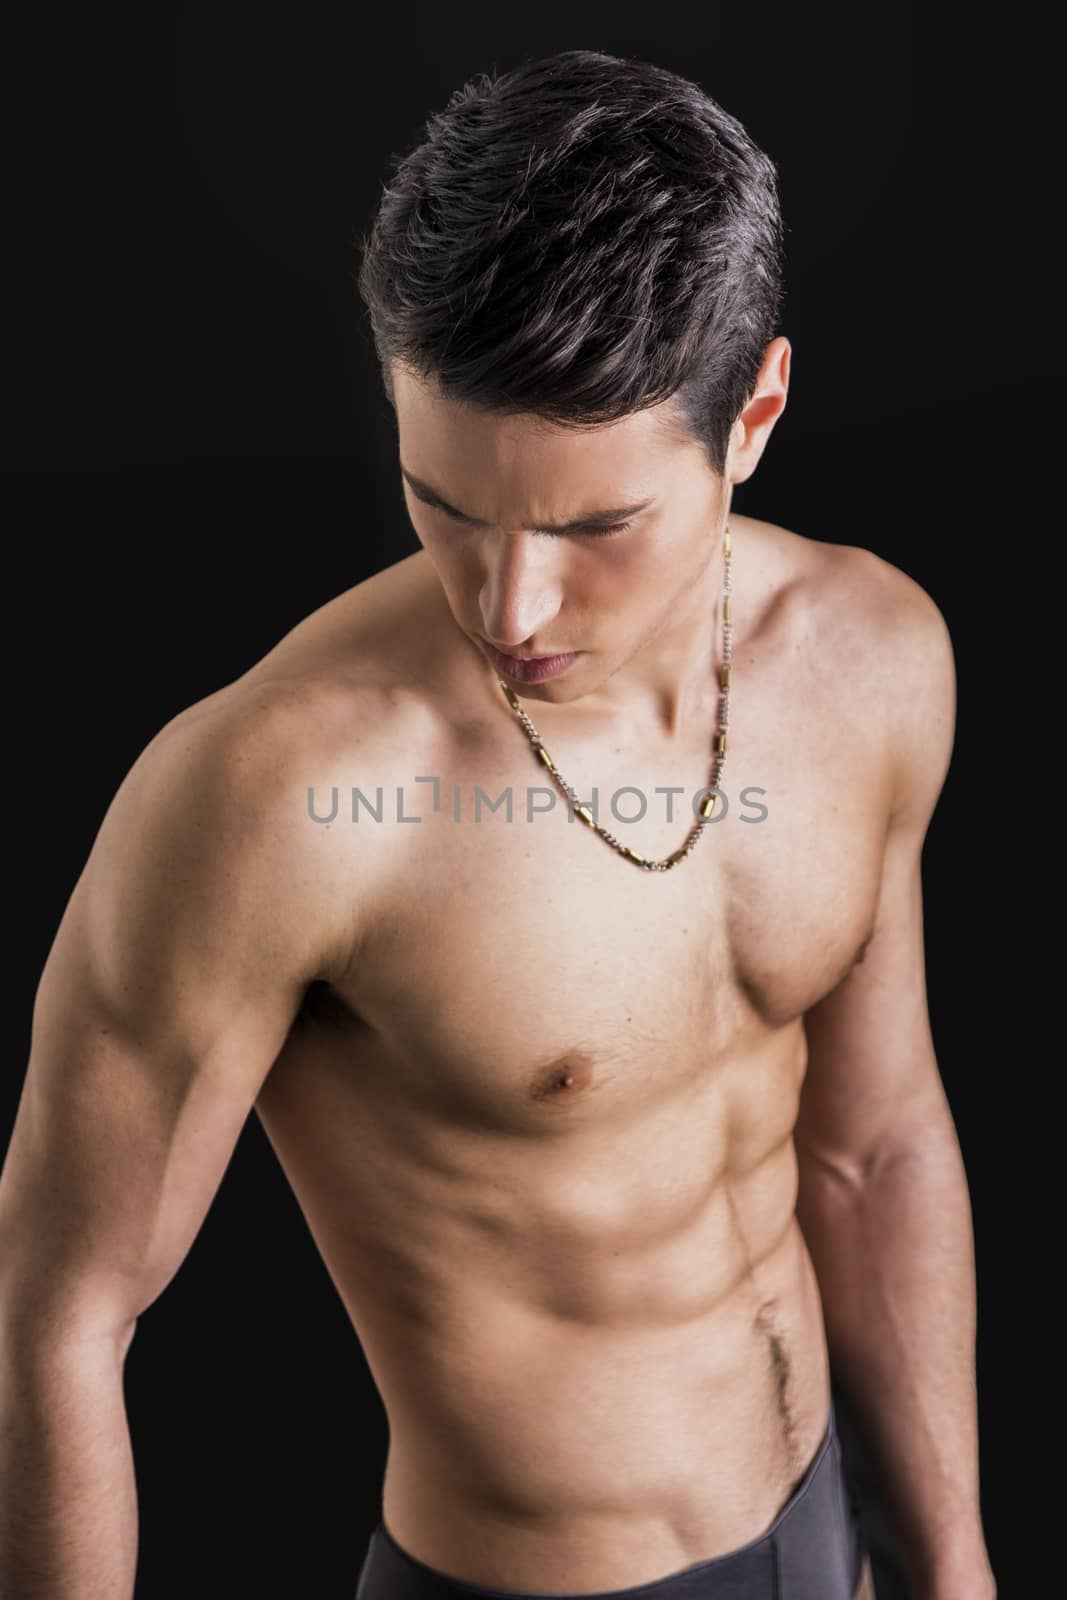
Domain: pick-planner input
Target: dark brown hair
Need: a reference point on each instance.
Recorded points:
(580, 238)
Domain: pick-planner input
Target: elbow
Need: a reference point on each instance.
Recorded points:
(831, 1171)
(32, 1332)
(844, 1172)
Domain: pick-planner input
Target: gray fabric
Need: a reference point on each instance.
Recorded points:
(813, 1550)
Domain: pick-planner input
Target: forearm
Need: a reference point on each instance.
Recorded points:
(68, 1506)
(894, 1255)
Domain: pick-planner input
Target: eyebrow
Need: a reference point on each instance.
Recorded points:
(589, 519)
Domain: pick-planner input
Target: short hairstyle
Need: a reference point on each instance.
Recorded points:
(580, 238)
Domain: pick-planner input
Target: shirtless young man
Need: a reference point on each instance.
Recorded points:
(605, 1163)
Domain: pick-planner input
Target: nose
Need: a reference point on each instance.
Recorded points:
(520, 593)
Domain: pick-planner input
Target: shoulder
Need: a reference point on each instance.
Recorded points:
(212, 825)
(902, 649)
(334, 690)
(223, 819)
(244, 746)
(869, 614)
(888, 660)
(849, 589)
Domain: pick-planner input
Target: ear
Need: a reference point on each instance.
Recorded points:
(753, 427)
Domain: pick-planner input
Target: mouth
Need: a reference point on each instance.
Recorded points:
(528, 669)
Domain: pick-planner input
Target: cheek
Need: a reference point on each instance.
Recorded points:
(632, 573)
(450, 559)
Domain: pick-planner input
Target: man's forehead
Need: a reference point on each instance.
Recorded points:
(421, 401)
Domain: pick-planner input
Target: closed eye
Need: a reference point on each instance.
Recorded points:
(601, 533)
(593, 531)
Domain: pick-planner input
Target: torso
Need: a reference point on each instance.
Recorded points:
(541, 1125)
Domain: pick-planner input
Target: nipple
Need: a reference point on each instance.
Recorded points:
(559, 1078)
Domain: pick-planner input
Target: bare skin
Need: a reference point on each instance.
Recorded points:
(540, 1125)
(536, 1104)
(542, 1110)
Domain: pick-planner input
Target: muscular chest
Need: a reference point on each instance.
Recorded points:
(521, 969)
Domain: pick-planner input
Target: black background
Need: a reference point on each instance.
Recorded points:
(199, 453)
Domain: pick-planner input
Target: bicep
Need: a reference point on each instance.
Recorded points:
(167, 994)
(870, 1052)
(872, 1079)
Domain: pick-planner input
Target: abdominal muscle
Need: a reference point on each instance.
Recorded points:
(599, 1363)
(532, 1452)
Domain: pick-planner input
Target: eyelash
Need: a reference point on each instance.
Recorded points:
(608, 532)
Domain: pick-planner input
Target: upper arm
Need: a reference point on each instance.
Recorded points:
(178, 966)
(872, 1078)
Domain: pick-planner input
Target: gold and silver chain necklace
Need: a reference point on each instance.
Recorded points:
(707, 804)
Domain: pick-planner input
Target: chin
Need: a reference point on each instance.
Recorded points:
(557, 691)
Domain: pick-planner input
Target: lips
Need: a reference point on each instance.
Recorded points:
(529, 669)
